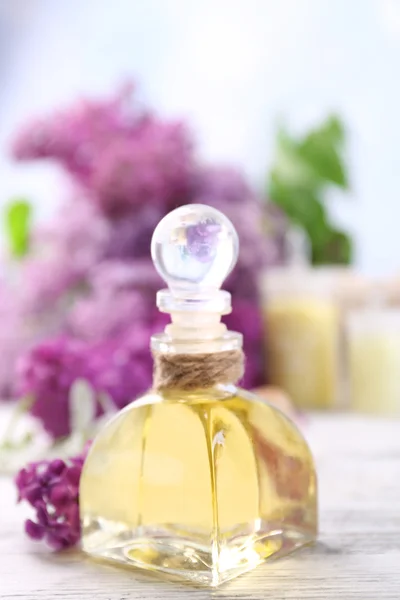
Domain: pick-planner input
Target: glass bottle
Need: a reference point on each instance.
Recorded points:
(200, 484)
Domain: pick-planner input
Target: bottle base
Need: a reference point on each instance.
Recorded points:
(180, 556)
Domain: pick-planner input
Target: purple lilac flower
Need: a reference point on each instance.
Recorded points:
(64, 254)
(78, 227)
(106, 313)
(123, 296)
(246, 318)
(223, 183)
(46, 373)
(130, 236)
(121, 156)
(46, 279)
(52, 489)
(119, 365)
(118, 319)
(75, 136)
(15, 339)
(131, 168)
(36, 295)
(123, 365)
(21, 328)
(138, 274)
(151, 166)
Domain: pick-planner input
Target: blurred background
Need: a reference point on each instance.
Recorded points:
(284, 115)
(232, 68)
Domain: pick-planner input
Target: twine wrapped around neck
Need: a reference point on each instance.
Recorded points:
(194, 371)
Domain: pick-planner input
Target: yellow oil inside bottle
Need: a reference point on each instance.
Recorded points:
(202, 486)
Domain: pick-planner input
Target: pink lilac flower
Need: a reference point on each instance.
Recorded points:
(122, 296)
(47, 279)
(15, 339)
(130, 274)
(64, 254)
(21, 329)
(106, 313)
(78, 227)
(52, 489)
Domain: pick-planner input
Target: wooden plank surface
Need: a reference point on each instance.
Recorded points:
(357, 555)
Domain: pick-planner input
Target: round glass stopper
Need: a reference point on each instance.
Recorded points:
(194, 248)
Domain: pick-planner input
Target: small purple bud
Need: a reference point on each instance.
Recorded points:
(22, 479)
(42, 515)
(34, 530)
(56, 542)
(57, 466)
(56, 501)
(44, 478)
(60, 496)
(33, 493)
(73, 475)
(73, 517)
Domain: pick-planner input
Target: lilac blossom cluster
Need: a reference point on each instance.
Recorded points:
(92, 271)
(52, 489)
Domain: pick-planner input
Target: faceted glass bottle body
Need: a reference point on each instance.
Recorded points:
(202, 486)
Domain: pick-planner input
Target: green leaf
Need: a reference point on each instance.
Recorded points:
(290, 166)
(314, 160)
(300, 204)
(302, 170)
(18, 220)
(318, 151)
(302, 207)
(336, 248)
(334, 129)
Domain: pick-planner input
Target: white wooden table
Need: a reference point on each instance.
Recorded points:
(357, 555)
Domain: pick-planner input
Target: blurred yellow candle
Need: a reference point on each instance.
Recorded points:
(374, 361)
(302, 349)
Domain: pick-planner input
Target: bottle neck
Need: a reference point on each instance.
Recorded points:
(196, 352)
(165, 344)
(196, 370)
(196, 333)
